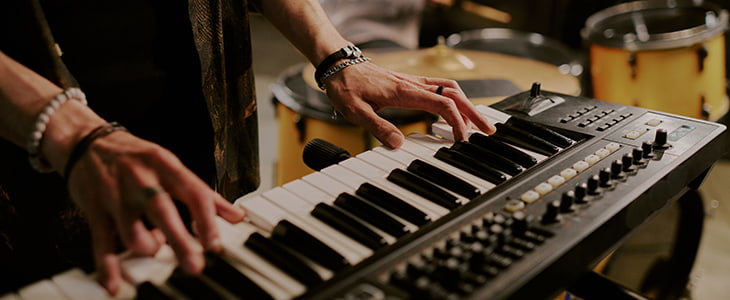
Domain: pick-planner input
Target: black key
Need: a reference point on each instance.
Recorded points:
(541, 131)
(423, 188)
(309, 246)
(392, 204)
(148, 291)
(443, 178)
(371, 214)
(349, 226)
(524, 139)
(488, 157)
(503, 149)
(278, 256)
(470, 165)
(192, 286)
(227, 276)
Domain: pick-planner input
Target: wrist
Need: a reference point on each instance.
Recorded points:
(65, 129)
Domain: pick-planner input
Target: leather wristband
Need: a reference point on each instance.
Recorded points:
(346, 52)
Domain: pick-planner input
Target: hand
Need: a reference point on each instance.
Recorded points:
(361, 90)
(121, 178)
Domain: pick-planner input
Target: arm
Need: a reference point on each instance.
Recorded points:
(359, 91)
(109, 181)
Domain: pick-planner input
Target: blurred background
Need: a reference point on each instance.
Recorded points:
(618, 55)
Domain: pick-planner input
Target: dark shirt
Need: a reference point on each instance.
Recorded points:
(177, 73)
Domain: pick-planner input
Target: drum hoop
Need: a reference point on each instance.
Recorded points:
(507, 33)
(284, 95)
(676, 39)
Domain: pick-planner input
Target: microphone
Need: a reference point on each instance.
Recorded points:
(319, 154)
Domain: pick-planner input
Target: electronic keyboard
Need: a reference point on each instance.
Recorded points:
(519, 214)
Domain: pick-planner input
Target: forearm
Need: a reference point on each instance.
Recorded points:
(23, 94)
(306, 25)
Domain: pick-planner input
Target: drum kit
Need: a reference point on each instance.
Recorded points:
(665, 55)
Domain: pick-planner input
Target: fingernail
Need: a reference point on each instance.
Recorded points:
(216, 244)
(393, 140)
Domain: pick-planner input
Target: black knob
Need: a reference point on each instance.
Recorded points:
(580, 193)
(648, 148)
(593, 186)
(604, 178)
(535, 90)
(628, 163)
(519, 222)
(551, 213)
(660, 139)
(617, 170)
(566, 202)
(638, 155)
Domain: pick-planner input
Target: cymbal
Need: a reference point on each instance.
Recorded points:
(458, 64)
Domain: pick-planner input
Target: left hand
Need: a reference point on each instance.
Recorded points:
(359, 91)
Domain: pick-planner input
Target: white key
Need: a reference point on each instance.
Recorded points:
(265, 215)
(377, 178)
(10, 297)
(335, 188)
(299, 215)
(326, 184)
(155, 269)
(76, 284)
(42, 290)
(411, 151)
(307, 191)
(233, 238)
(261, 212)
(340, 172)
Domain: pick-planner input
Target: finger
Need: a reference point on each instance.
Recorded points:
(228, 211)
(383, 130)
(162, 213)
(200, 200)
(426, 99)
(136, 237)
(465, 106)
(106, 261)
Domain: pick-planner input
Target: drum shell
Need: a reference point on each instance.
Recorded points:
(666, 80)
(676, 67)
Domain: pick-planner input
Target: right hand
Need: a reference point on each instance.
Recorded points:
(122, 178)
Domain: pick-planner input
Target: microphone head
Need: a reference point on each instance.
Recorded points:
(319, 154)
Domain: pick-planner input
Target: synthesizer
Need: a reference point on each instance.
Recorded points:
(520, 214)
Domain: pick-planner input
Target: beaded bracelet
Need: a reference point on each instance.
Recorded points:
(39, 163)
(82, 146)
(337, 68)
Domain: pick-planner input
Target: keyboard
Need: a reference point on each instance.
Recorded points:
(516, 215)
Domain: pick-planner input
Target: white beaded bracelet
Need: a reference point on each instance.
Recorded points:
(337, 68)
(41, 122)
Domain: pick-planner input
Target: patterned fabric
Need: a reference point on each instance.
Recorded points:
(222, 36)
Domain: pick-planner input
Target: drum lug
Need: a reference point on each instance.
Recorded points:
(632, 63)
(301, 126)
(706, 108)
(701, 56)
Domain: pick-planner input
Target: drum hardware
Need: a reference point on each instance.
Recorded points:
(665, 47)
